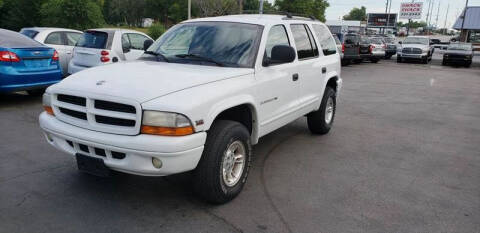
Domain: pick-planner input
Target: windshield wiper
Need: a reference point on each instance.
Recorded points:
(201, 58)
(157, 54)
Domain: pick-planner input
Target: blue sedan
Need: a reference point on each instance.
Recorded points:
(26, 65)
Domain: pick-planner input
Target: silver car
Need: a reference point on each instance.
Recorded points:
(61, 39)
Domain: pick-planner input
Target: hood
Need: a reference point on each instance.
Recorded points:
(145, 80)
(418, 46)
(458, 52)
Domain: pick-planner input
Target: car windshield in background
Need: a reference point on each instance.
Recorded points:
(29, 33)
(416, 40)
(93, 39)
(365, 40)
(217, 43)
(376, 41)
(464, 47)
(389, 40)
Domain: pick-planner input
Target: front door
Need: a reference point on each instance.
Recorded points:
(135, 42)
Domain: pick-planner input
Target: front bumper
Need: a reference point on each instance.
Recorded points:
(413, 56)
(178, 154)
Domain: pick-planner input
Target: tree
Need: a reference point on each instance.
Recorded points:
(216, 7)
(17, 14)
(359, 14)
(250, 6)
(315, 8)
(78, 14)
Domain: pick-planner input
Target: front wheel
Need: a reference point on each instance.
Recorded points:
(399, 59)
(374, 60)
(223, 168)
(321, 121)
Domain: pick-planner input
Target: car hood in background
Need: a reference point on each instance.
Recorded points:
(145, 80)
(458, 52)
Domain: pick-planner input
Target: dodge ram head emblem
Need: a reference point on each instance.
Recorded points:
(99, 83)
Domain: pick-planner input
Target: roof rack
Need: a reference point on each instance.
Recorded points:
(288, 15)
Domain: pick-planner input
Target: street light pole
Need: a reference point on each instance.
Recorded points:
(189, 9)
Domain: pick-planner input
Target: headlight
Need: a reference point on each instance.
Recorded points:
(47, 103)
(166, 124)
(468, 56)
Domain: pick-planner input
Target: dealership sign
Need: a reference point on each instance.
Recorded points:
(381, 20)
(411, 10)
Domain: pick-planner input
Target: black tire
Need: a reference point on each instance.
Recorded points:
(425, 60)
(316, 120)
(374, 60)
(399, 59)
(388, 57)
(208, 180)
(357, 61)
(37, 92)
(345, 62)
(444, 63)
(468, 64)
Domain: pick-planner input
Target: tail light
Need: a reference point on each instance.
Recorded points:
(343, 48)
(55, 56)
(7, 56)
(371, 48)
(384, 46)
(104, 57)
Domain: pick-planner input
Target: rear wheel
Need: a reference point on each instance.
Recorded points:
(36, 92)
(223, 168)
(444, 63)
(425, 60)
(374, 60)
(321, 121)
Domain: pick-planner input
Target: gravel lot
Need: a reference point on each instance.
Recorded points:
(404, 156)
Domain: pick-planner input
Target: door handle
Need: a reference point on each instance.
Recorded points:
(324, 70)
(295, 77)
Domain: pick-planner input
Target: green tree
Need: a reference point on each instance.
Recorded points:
(216, 7)
(315, 8)
(254, 5)
(17, 14)
(78, 14)
(156, 30)
(359, 14)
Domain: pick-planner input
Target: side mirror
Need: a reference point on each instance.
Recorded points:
(400, 42)
(281, 54)
(146, 44)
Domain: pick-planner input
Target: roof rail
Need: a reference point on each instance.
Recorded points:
(288, 15)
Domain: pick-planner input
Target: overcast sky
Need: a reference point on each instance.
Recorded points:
(338, 8)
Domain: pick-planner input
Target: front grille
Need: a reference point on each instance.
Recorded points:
(411, 51)
(123, 117)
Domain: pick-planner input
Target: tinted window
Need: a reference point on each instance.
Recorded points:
(351, 39)
(303, 41)
(54, 38)
(326, 40)
(11, 39)
(125, 43)
(232, 44)
(136, 40)
(93, 39)
(29, 33)
(276, 36)
(72, 38)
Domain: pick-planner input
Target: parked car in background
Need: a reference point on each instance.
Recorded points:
(377, 48)
(351, 47)
(61, 39)
(391, 47)
(105, 46)
(365, 49)
(415, 48)
(198, 99)
(26, 65)
(458, 54)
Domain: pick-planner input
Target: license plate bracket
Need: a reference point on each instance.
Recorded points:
(92, 165)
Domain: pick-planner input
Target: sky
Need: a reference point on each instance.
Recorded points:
(338, 8)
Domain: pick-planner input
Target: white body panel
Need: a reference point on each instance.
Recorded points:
(200, 93)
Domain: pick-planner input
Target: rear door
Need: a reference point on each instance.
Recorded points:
(87, 53)
(56, 40)
(351, 46)
(135, 42)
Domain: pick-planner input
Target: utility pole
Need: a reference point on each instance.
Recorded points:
(465, 35)
(388, 15)
(386, 10)
(446, 17)
(189, 9)
(260, 10)
(438, 12)
(429, 14)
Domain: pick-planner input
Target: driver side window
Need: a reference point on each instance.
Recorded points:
(276, 36)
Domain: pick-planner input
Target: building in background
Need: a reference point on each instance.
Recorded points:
(470, 29)
(345, 26)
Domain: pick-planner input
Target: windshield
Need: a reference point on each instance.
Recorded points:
(389, 40)
(93, 39)
(465, 47)
(416, 40)
(376, 40)
(365, 40)
(226, 43)
(29, 33)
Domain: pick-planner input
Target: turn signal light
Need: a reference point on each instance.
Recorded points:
(49, 110)
(167, 131)
(104, 59)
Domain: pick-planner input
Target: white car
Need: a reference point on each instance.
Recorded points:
(415, 48)
(61, 39)
(105, 46)
(377, 47)
(198, 99)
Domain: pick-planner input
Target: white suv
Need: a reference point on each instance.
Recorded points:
(199, 97)
(415, 48)
(105, 46)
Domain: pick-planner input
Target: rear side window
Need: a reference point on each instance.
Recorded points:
(306, 47)
(72, 38)
(137, 40)
(93, 39)
(276, 36)
(29, 33)
(325, 39)
(54, 38)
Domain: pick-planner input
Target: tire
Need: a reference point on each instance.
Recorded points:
(357, 61)
(37, 92)
(345, 62)
(468, 64)
(208, 178)
(444, 63)
(388, 57)
(374, 60)
(425, 60)
(399, 59)
(317, 122)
